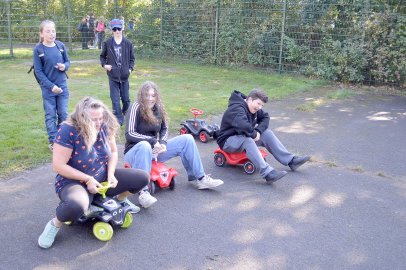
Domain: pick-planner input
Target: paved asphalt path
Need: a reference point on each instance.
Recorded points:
(344, 210)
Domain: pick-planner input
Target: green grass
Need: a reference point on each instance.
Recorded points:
(23, 135)
(341, 94)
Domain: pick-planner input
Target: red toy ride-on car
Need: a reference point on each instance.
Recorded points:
(161, 176)
(198, 127)
(222, 157)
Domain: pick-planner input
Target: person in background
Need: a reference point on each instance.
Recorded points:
(100, 31)
(85, 154)
(244, 127)
(147, 137)
(83, 28)
(91, 32)
(131, 24)
(117, 58)
(50, 65)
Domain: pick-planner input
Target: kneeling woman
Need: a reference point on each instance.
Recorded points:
(84, 155)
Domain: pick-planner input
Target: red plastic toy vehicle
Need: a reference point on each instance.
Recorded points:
(198, 127)
(161, 176)
(222, 157)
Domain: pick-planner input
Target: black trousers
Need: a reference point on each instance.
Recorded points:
(76, 199)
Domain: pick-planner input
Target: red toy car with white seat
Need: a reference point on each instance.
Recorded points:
(222, 157)
(161, 176)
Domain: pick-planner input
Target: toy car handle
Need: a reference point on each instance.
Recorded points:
(196, 111)
(102, 190)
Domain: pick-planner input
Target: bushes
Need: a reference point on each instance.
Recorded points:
(342, 40)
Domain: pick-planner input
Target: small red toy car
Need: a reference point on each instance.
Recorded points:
(222, 157)
(198, 127)
(161, 176)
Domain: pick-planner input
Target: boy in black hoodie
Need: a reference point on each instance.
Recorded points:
(245, 127)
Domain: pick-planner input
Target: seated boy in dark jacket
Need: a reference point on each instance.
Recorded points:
(245, 127)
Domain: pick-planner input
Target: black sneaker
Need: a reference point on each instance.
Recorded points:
(297, 162)
(275, 175)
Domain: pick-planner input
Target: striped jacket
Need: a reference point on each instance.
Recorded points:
(137, 129)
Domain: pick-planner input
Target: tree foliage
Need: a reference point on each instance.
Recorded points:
(343, 40)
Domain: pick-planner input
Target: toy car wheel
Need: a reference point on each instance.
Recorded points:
(249, 167)
(183, 130)
(151, 187)
(128, 220)
(203, 136)
(219, 159)
(172, 184)
(102, 231)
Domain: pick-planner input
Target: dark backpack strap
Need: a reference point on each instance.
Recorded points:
(41, 53)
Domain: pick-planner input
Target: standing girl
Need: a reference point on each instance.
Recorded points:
(50, 65)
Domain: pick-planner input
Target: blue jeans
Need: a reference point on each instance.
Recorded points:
(120, 90)
(268, 139)
(184, 146)
(56, 111)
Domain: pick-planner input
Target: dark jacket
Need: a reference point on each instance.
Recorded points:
(108, 57)
(238, 120)
(137, 129)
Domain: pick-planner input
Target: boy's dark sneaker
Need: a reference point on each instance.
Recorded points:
(297, 162)
(275, 175)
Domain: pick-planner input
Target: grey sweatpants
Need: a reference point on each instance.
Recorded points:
(268, 139)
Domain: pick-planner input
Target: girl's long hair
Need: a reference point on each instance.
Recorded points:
(41, 28)
(146, 113)
(81, 120)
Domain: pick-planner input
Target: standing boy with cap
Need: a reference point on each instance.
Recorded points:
(117, 57)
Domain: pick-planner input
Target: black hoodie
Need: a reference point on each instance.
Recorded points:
(118, 72)
(238, 120)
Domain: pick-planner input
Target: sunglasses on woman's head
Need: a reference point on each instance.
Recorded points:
(116, 29)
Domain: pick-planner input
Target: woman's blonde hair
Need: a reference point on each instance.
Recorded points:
(146, 112)
(41, 28)
(81, 120)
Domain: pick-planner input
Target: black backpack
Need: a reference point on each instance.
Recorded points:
(41, 53)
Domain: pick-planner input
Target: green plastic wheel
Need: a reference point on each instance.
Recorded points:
(128, 220)
(102, 231)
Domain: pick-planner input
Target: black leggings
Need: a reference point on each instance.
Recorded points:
(75, 198)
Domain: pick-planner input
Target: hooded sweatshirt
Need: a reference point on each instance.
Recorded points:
(238, 120)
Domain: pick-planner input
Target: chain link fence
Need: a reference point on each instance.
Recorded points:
(342, 40)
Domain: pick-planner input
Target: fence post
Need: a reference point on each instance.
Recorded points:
(68, 2)
(10, 40)
(216, 30)
(160, 26)
(282, 36)
(115, 8)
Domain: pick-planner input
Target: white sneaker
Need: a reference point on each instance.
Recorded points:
(208, 182)
(133, 208)
(146, 199)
